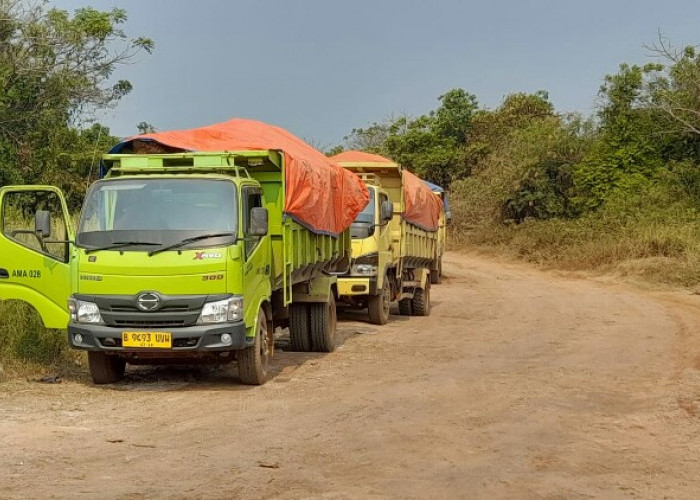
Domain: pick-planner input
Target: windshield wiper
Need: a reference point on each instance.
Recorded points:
(189, 240)
(120, 244)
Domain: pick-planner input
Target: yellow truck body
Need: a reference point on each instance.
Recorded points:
(391, 258)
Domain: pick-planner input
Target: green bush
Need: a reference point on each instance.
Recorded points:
(651, 233)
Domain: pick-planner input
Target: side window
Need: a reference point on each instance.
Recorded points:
(18, 211)
(252, 197)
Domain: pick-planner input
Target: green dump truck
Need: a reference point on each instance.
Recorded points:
(178, 258)
(394, 240)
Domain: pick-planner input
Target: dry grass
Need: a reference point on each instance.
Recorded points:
(657, 251)
(27, 349)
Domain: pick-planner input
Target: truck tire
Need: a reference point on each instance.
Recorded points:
(323, 326)
(299, 327)
(421, 301)
(378, 305)
(253, 361)
(436, 274)
(105, 369)
(405, 307)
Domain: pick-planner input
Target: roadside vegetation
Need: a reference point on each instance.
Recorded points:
(29, 349)
(57, 75)
(615, 192)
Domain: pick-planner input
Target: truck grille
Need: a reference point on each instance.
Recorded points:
(174, 311)
(148, 323)
(130, 309)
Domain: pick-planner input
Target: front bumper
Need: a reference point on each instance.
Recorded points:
(199, 338)
(352, 287)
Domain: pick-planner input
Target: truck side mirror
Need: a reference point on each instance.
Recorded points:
(387, 211)
(258, 221)
(42, 223)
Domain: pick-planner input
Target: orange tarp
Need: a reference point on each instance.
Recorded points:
(422, 206)
(320, 194)
(359, 157)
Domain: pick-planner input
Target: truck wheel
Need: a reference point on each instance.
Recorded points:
(105, 369)
(436, 274)
(405, 307)
(299, 327)
(378, 305)
(323, 326)
(421, 301)
(254, 360)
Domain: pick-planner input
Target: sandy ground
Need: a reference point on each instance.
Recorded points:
(521, 384)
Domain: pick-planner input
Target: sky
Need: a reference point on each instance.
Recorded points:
(320, 68)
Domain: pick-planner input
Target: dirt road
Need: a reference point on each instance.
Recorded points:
(520, 384)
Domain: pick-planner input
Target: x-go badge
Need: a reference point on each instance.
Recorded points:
(147, 301)
(206, 255)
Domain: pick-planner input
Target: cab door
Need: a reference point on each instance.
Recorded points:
(256, 249)
(385, 233)
(36, 251)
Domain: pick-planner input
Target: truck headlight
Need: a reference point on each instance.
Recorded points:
(82, 311)
(363, 270)
(222, 311)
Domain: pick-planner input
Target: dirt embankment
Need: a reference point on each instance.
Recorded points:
(520, 384)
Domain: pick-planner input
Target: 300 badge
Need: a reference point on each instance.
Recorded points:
(212, 277)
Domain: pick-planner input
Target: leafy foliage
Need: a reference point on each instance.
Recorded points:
(56, 71)
(524, 161)
(433, 144)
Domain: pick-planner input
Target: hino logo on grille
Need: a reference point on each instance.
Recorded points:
(147, 301)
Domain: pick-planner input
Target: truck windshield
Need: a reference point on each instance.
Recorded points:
(140, 213)
(367, 215)
(363, 226)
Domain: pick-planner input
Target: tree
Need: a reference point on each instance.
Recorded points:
(56, 72)
(628, 149)
(335, 150)
(675, 89)
(373, 138)
(433, 145)
(145, 128)
(519, 157)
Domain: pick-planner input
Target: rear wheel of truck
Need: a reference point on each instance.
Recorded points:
(253, 361)
(323, 326)
(421, 301)
(105, 369)
(299, 327)
(436, 274)
(405, 307)
(378, 305)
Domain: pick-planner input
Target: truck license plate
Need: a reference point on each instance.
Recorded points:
(148, 340)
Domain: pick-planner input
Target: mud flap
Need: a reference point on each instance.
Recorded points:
(317, 290)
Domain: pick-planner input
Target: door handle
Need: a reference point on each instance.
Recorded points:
(4, 274)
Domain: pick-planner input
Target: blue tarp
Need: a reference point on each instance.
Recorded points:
(435, 187)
